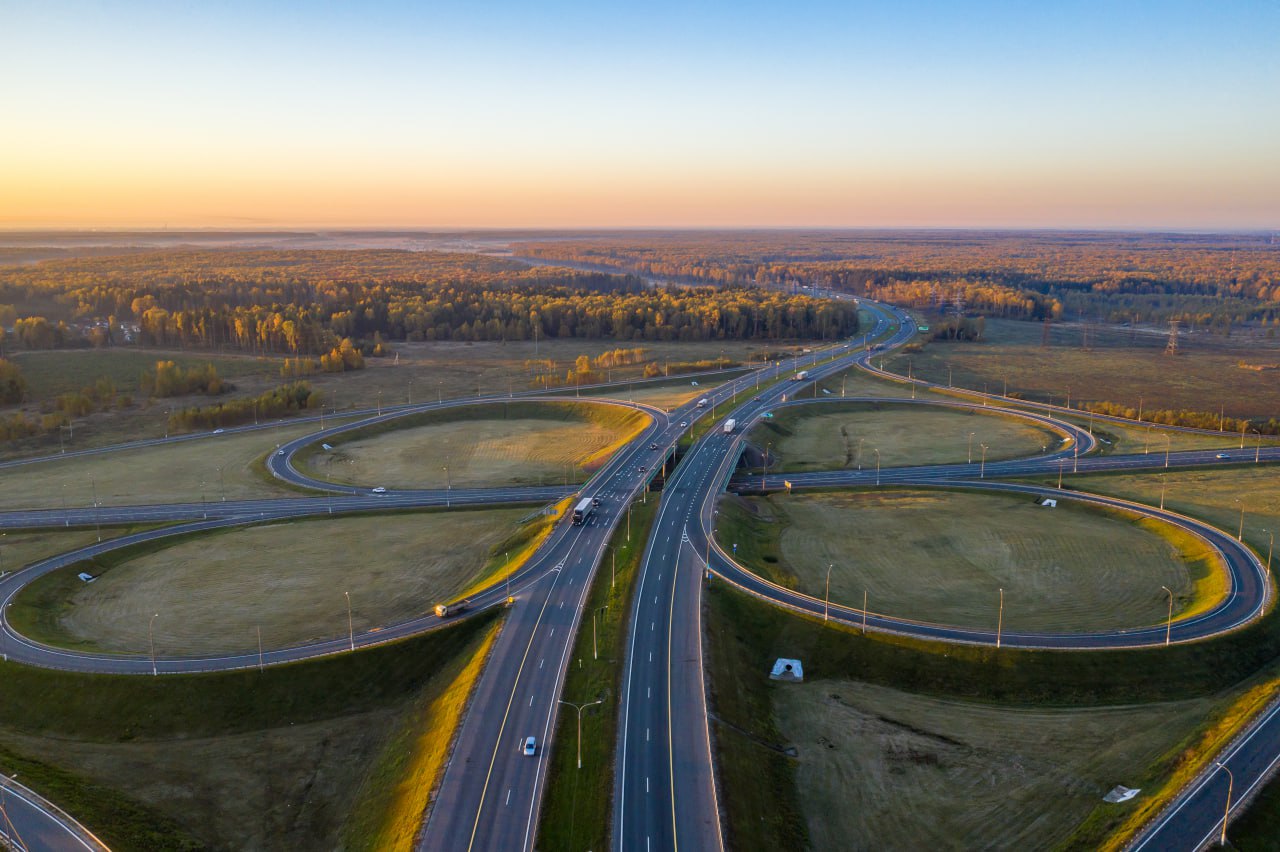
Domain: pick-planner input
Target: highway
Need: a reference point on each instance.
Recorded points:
(665, 795)
(31, 823)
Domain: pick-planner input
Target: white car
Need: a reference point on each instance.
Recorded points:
(218, 431)
(1222, 456)
(279, 452)
(530, 747)
(379, 490)
(684, 423)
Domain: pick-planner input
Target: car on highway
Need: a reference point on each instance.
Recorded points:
(530, 747)
(1222, 456)
(755, 399)
(380, 490)
(684, 423)
(279, 452)
(218, 431)
(653, 446)
(640, 469)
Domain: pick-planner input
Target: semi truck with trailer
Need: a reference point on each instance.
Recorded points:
(582, 511)
(730, 425)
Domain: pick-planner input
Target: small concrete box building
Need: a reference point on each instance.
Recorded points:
(789, 670)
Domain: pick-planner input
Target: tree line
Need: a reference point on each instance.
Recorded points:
(1197, 279)
(305, 303)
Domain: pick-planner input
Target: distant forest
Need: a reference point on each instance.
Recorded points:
(1205, 281)
(308, 302)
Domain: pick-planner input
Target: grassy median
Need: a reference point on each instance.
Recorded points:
(576, 810)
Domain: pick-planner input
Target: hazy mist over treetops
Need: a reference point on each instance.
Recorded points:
(564, 114)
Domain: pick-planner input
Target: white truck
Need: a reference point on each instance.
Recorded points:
(802, 375)
(702, 403)
(730, 425)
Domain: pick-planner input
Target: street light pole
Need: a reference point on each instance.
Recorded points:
(151, 640)
(1168, 626)
(982, 468)
(1168, 445)
(351, 630)
(1000, 620)
(970, 448)
(580, 708)
(826, 603)
(1231, 782)
(877, 452)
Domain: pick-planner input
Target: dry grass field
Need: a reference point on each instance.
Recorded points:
(412, 372)
(182, 472)
(20, 549)
(1216, 496)
(942, 557)
(213, 592)
(477, 453)
(889, 770)
(1118, 367)
(831, 436)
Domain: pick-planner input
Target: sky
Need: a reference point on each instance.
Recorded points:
(561, 114)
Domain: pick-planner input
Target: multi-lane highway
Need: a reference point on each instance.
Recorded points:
(665, 794)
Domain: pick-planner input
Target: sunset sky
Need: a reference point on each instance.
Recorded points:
(555, 114)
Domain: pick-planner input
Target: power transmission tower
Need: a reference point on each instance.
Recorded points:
(1171, 348)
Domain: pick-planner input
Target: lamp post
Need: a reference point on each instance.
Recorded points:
(1162, 487)
(1240, 532)
(351, 630)
(1168, 625)
(877, 452)
(1000, 620)
(982, 468)
(1231, 782)
(1257, 450)
(858, 457)
(970, 448)
(1168, 445)
(222, 484)
(151, 640)
(595, 650)
(448, 488)
(826, 603)
(1270, 547)
(580, 708)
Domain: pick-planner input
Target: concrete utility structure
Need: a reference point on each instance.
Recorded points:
(789, 670)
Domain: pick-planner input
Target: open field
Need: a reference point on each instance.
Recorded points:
(884, 769)
(1215, 496)
(21, 548)
(53, 372)
(411, 372)
(243, 760)
(833, 436)
(1227, 679)
(1119, 368)
(207, 468)
(523, 443)
(213, 592)
(943, 557)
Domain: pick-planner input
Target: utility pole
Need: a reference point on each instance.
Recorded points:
(1000, 620)
(1168, 626)
(351, 630)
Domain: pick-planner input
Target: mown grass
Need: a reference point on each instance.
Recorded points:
(214, 592)
(473, 443)
(577, 808)
(939, 555)
(507, 556)
(396, 791)
(109, 727)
